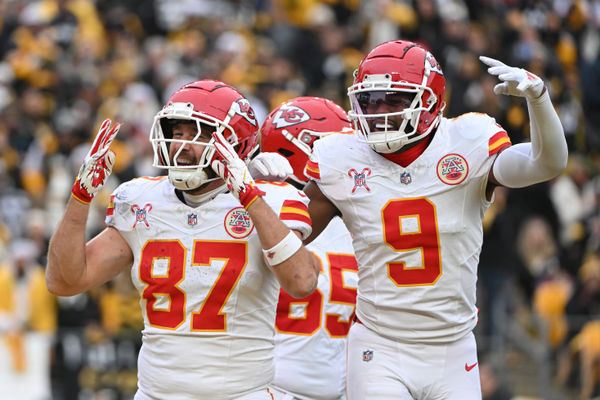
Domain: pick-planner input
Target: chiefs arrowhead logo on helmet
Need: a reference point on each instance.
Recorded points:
(292, 128)
(289, 115)
(432, 64)
(245, 110)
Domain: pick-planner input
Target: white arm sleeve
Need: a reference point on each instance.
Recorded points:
(544, 158)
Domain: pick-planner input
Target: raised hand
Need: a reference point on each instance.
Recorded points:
(97, 164)
(230, 167)
(270, 166)
(516, 81)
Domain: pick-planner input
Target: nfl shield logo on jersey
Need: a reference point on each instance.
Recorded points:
(192, 219)
(405, 178)
(367, 355)
(360, 178)
(141, 214)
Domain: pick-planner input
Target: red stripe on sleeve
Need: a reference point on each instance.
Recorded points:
(294, 210)
(497, 142)
(312, 170)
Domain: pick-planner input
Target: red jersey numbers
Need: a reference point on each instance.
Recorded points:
(340, 293)
(410, 225)
(210, 317)
(299, 316)
(304, 316)
(165, 302)
(162, 269)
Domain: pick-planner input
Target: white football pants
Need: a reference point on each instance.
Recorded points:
(380, 368)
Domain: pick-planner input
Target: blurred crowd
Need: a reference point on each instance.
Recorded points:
(65, 65)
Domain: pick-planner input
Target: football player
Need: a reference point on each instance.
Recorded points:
(412, 188)
(207, 248)
(310, 343)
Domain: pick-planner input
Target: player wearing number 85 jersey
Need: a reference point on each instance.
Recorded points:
(412, 188)
(310, 344)
(208, 248)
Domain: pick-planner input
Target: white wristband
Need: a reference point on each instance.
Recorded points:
(283, 250)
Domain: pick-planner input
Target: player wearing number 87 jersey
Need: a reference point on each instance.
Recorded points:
(207, 298)
(207, 263)
(412, 188)
(310, 344)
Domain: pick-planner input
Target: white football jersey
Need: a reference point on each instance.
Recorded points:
(417, 231)
(310, 343)
(207, 297)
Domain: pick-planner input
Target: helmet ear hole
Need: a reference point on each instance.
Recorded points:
(285, 152)
(242, 147)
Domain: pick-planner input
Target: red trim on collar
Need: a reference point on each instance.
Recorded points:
(406, 157)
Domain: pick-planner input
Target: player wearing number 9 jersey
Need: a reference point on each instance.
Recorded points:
(310, 343)
(208, 248)
(412, 188)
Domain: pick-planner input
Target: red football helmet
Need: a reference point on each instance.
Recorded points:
(206, 102)
(397, 68)
(292, 128)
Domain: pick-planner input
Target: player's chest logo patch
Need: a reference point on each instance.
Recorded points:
(360, 178)
(405, 178)
(141, 213)
(452, 169)
(238, 223)
(192, 219)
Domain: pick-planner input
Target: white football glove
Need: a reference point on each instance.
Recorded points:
(97, 164)
(233, 170)
(270, 167)
(516, 81)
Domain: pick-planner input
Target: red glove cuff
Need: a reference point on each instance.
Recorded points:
(80, 193)
(250, 194)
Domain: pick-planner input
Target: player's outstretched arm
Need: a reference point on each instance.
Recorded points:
(546, 156)
(294, 266)
(73, 266)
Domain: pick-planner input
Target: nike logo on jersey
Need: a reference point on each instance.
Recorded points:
(469, 367)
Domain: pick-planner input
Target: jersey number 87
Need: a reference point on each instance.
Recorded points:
(210, 316)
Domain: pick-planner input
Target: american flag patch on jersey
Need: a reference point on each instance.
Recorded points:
(497, 142)
(312, 170)
(294, 210)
